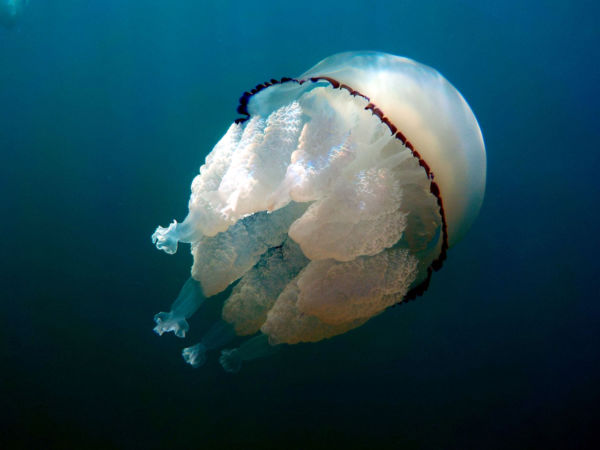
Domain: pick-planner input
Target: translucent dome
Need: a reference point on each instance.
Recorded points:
(432, 114)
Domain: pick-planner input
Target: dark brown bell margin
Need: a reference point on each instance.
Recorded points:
(433, 186)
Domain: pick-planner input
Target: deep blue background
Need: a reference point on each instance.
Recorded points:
(107, 110)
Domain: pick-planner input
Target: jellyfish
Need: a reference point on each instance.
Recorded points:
(334, 196)
(10, 11)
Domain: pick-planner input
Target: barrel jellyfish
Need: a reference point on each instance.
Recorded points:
(334, 196)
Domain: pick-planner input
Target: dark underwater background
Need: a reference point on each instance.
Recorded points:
(107, 110)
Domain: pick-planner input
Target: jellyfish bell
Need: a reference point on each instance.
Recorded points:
(432, 115)
(334, 196)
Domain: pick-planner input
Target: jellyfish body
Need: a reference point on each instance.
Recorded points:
(333, 197)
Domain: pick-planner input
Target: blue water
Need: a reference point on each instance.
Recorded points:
(107, 110)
